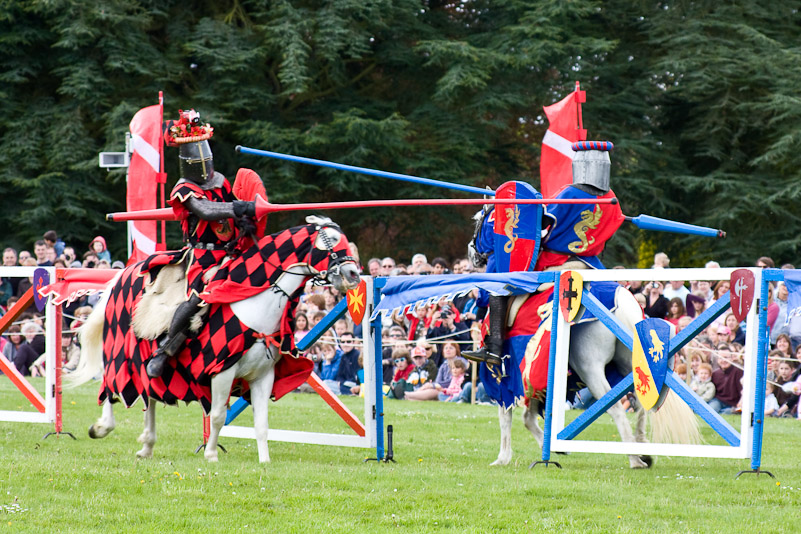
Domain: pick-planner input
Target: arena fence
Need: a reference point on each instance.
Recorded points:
(743, 443)
(368, 434)
(47, 405)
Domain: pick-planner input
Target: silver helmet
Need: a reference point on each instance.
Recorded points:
(591, 165)
(196, 162)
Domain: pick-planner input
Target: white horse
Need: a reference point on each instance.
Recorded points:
(592, 347)
(319, 250)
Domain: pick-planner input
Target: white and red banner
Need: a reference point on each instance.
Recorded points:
(564, 128)
(143, 174)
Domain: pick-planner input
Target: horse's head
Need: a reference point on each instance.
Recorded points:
(480, 247)
(330, 256)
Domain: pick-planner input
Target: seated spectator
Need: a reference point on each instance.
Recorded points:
(702, 383)
(676, 289)
(728, 382)
(349, 367)
(737, 333)
(403, 368)
(450, 351)
(771, 404)
(374, 267)
(681, 370)
(98, 246)
(787, 401)
(301, 326)
(440, 266)
(675, 310)
(695, 304)
(765, 262)
(656, 305)
(448, 329)
(29, 352)
(15, 340)
(424, 369)
(329, 366)
(451, 393)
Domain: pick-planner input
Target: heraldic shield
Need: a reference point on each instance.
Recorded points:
(357, 300)
(517, 229)
(571, 284)
(649, 359)
(742, 284)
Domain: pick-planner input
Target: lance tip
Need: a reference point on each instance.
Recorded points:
(238, 148)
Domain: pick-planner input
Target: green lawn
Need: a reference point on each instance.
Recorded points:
(442, 480)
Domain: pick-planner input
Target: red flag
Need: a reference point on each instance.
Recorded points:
(556, 160)
(143, 178)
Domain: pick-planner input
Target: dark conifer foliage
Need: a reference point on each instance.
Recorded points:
(700, 99)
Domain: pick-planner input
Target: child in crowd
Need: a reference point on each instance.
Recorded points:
(774, 357)
(702, 382)
(329, 366)
(424, 369)
(451, 393)
(301, 326)
(771, 404)
(98, 246)
(681, 370)
(403, 369)
(786, 399)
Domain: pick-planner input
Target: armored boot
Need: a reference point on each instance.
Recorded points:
(175, 336)
(492, 351)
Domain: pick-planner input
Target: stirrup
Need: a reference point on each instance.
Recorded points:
(482, 355)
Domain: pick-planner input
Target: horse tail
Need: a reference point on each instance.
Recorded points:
(674, 422)
(90, 335)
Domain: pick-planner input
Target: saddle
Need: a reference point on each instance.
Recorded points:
(164, 291)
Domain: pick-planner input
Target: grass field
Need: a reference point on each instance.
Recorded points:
(442, 481)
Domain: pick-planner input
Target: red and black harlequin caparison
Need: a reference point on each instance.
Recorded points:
(223, 339)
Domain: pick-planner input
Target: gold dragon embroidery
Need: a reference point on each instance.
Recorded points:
(589, 221)
(512, 219)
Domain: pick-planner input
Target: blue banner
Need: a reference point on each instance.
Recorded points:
(403, 291)
(792, 280)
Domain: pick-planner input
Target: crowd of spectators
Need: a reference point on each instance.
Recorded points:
(23, 343)
(421, 351)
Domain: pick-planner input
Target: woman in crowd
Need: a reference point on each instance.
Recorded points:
(675, 310)
(450, 351)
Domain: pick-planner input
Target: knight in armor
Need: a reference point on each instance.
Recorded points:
(572, 232)
(211, 219)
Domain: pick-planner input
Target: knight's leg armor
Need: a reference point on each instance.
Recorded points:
(176, 336)
(492, 351)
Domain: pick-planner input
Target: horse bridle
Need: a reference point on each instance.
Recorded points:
(335, 260)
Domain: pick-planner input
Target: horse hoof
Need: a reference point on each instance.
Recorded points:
(648, 460)
(96, 433)
(211, 458)
(144, 454)
(500, 461)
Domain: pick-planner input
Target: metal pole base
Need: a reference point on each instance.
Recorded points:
(756, 472)
(203, 446)
(57, 434)
(546, 463)
(390, 455)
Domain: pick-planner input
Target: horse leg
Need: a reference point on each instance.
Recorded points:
(261, 390)
(505, 420)
(148, 436)
(105, 424)
(598, 388)
(220, 391)
(530, 420)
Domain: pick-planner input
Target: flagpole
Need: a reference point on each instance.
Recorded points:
(162, 175)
